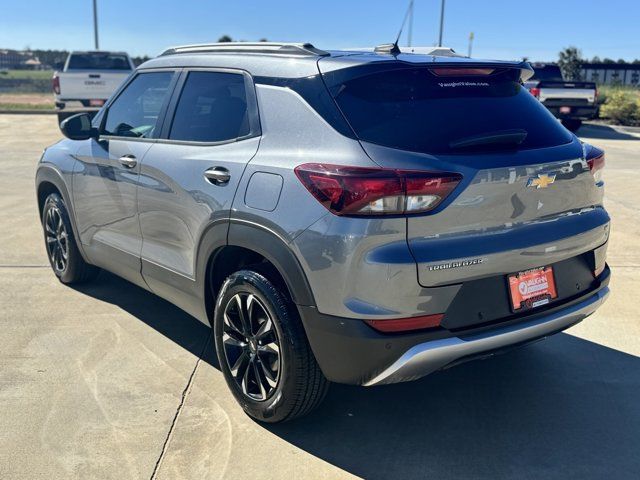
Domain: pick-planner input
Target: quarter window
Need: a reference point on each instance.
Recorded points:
(212, 108)
(136, 110)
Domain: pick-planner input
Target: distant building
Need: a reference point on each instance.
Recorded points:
(16, 59)
(612, 73)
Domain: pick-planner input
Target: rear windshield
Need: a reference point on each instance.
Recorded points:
(547, 73)
(98, 61)
(412, 108)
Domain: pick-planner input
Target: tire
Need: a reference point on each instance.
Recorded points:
(572, 125)
(270, 387)
(64, 257)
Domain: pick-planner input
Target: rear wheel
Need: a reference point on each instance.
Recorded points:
(65, 258)
(571, 124)
(263, 350)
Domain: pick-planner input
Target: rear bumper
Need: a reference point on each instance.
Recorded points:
(348, 351)
(431, 356)
(85, 102)
(577, 112)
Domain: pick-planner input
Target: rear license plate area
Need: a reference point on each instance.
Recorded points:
(532, 288)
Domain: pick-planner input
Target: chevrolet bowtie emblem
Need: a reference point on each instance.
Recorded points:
(543, 181)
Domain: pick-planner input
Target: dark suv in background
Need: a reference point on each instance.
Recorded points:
(354, 217)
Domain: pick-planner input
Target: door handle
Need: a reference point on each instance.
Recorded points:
(217, 175)
(128, 161)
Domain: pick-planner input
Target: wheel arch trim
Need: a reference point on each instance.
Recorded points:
(275, 249)
(47, 173)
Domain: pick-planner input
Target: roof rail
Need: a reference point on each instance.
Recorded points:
(249, 47)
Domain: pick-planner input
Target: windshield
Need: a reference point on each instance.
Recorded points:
(429, 110)
(98, 61)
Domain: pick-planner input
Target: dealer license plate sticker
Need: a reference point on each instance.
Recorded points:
(532, 288)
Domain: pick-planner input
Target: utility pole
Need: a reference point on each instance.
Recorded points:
(410, 33)
(470, 43)
(95, 24)
(441, 23)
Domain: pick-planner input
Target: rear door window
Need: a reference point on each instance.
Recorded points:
(212, 108)
(436, 110)
(135, 113)
(98, 61)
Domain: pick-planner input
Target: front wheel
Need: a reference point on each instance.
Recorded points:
(65, 258)
(263, 351)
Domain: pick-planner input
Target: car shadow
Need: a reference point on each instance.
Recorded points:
(602, 132)
(162, 316)
(561, 408)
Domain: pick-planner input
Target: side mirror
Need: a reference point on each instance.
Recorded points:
(78, 127)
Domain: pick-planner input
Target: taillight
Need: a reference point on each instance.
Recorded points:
(595, 160)
(360, 191)
(55, 83)
(395, 325)
(535, 91)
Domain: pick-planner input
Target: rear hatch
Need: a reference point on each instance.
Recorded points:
(90, 85)
(93, 75)
(575, 93)
(527, 198)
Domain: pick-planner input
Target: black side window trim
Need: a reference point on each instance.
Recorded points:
(314, 91)
(103, 114)
(252, 107)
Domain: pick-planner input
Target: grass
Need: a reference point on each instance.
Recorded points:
(27, 74)
(26, 101)
(25, 106)
(25, 81)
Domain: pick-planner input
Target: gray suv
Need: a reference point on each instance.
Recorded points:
(355, 217)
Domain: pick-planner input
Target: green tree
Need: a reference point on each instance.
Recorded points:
(596, 59)
(52, 58)
(608, 60)
(621, 60)
(225, 38)
(138, 60)
(570, 63)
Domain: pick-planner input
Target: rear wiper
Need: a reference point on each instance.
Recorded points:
(501, 137)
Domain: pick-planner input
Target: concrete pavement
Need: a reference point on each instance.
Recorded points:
(109, 381)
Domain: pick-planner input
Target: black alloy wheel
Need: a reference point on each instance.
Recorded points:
(251, 346)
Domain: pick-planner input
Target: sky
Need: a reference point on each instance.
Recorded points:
(513, 29)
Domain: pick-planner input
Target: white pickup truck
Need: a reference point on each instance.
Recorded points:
(571, 102)
(90, 77)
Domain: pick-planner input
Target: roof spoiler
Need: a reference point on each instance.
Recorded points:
(526, 71)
